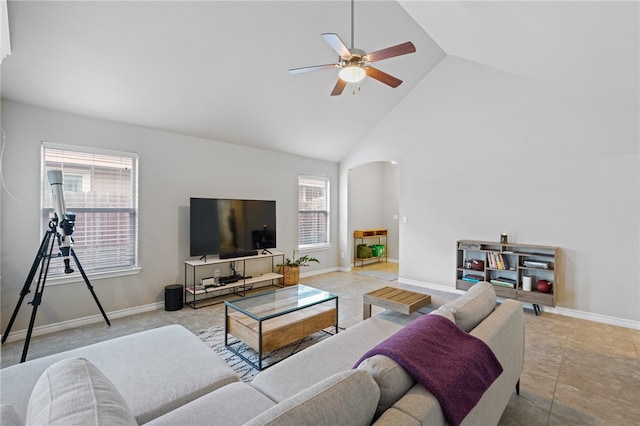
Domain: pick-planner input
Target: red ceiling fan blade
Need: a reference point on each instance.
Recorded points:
(390, 52)
(312, 68)
(337, 45)
(339, 87)
(383, 77)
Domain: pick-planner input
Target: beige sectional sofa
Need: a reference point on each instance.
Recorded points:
(167, 376)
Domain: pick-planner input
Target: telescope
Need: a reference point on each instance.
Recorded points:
(63, 220)
(61, 226)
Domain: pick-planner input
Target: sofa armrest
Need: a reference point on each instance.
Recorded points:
(503, 331)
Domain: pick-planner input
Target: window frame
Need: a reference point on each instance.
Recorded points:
(123, 270)
(307, 180)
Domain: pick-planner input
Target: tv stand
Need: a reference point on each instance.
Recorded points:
(248, 272)
(266, 251)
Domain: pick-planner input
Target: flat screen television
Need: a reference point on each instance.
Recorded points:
(228, 225)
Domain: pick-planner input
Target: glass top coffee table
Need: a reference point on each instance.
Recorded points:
(272, 320)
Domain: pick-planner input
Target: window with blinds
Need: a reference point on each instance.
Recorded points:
(313, 212)
(101, 188)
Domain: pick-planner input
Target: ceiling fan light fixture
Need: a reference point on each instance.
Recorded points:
(352, 74)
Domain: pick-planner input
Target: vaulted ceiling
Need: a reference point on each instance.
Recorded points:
(218, 69)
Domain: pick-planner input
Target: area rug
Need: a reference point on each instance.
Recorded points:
(381, 275)
(214, 338)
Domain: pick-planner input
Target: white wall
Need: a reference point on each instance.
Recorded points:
(482, 151)
(172, 169)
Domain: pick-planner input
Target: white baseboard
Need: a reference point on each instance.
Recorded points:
(605, 319)
(79, 322)
(573, 313)
(432, 286)
(318, 272)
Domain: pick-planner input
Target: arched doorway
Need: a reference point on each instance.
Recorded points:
(373, 202)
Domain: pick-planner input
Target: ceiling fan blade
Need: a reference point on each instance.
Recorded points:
(312, 68)
(337, 45)
(383, 77)
(390, 52)
(339, 87)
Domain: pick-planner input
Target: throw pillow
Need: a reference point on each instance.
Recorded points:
(444, 313)
(473, 306)
(392, 380)
(76, 392)
(347, 398)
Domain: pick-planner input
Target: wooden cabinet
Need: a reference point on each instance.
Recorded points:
(513, 269)
(374, 237)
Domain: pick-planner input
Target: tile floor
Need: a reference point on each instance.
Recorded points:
(576, 372)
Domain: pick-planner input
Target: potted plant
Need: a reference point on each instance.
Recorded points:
(290, 270)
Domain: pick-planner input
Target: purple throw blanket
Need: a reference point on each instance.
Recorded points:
(454, 366)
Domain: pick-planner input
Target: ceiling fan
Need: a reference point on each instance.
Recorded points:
(354, 63)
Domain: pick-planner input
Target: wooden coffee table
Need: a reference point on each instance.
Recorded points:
(396, 299)
(272, 320)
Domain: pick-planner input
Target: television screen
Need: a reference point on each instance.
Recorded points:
(229, 225)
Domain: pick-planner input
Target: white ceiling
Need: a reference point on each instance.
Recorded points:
(218, 70)
(588, 47)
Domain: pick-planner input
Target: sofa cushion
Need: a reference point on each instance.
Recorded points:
(330, 356)
(346, 398)
(9, 416)
(395, 417)
(233, 404)
(74, 391)
(392, 380)
(473, 306)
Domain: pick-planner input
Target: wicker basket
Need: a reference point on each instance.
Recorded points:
(291, 274)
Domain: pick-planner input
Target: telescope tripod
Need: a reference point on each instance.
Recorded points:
(42, 260)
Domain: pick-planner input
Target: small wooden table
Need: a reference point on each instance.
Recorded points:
(396, 299)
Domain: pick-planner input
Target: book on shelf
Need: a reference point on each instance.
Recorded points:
(491, 260)
(473, 278)
(502, 283)
(536, 264)
(497, 260)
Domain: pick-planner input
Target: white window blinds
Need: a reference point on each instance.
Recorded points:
(313, 211)
(101, 188)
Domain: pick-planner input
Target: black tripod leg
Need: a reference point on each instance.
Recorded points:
(37, 299)
(89, 286)
(27, 284)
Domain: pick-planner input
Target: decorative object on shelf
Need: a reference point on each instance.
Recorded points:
(364, 251)
(543, 286)
(526, 283)
(377, 250)
(290, 269)
(477, 265)
(504, 237)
